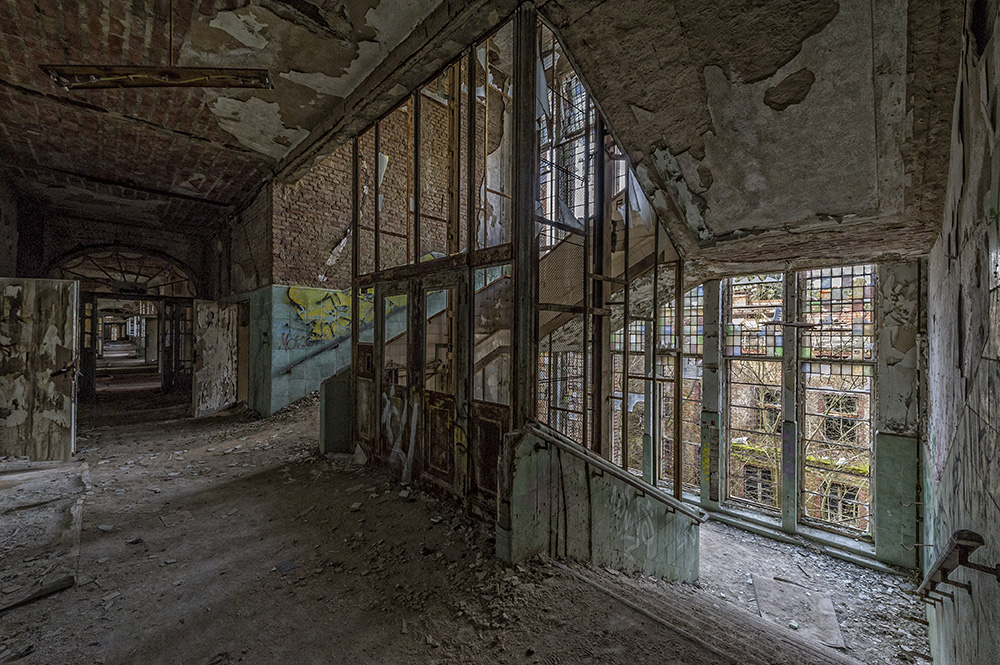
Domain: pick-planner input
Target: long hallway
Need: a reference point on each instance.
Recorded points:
(226, 539)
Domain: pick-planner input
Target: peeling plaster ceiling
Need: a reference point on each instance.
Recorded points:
(762, 132)
(186, 158)
(776, 133)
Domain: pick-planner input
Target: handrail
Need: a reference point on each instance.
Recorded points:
(323, 349)
(561, 441)
(961, 544)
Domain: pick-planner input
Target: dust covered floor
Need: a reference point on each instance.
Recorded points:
(227, 540)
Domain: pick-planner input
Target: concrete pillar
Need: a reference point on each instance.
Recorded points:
(897, 412)
(789, 408)
(711, 396)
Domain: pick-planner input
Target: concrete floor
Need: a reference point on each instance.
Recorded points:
(227, 540)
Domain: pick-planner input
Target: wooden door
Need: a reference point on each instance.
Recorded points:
(38, 368)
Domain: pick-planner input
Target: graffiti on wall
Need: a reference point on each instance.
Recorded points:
(323, 315)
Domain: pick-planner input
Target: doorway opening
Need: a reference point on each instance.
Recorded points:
(136, 338)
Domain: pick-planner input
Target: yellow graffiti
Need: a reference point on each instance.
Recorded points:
(327, 314)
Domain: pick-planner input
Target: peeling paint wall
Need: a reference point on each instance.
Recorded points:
(38, 352)
(775, 136)
(215, 362)
(562, 506)
(901, 335)
(962, 476)
(289, 324)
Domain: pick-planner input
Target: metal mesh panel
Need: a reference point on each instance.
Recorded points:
(754, 429)
(755, 305)
(561, 384)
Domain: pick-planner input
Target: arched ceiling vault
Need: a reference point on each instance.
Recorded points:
(763, 132)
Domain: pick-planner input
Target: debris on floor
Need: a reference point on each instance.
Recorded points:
(403, 578)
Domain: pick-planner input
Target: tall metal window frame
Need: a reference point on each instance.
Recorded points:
(791, 501)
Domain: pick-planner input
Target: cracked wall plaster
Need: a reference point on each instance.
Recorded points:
(817, 157)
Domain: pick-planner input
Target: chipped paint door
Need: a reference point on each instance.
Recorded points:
(38, 366)
(215, 361)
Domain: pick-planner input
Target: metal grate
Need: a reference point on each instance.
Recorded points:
(837, 369)
(754, 430)
(755, 313)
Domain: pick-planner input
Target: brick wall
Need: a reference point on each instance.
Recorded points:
(311, 220)
(246, 262)
(8, 231)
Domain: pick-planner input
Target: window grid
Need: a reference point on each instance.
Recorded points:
(837, 369)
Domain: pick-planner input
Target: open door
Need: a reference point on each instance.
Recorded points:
(38, 367)
(215, 359)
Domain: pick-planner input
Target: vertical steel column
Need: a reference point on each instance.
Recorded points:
(791, 466)
(525, 267)
(355, 270)
(587, 249)
(596, 266)
(378, 201)
(525, 190)
(678, 377)
(626, 318)
(413, 116)
(470, 214)
(712, 387)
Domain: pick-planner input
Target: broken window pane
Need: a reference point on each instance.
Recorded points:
(439, 339)
(441, 213)
(492, 361)
(395, 186)
(366, 197)
(493, 173)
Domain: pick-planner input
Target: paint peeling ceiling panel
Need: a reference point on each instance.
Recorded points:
(748, 120)
(211, 143)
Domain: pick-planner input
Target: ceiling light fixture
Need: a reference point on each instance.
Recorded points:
(83, 77)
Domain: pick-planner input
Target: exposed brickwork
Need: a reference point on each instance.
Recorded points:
(247, 247)
(8, 231)
(311, 219)
(63, 236)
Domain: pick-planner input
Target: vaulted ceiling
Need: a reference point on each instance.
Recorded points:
(783, 131)
(183, 158)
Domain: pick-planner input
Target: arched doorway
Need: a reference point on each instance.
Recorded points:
(136, 330)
